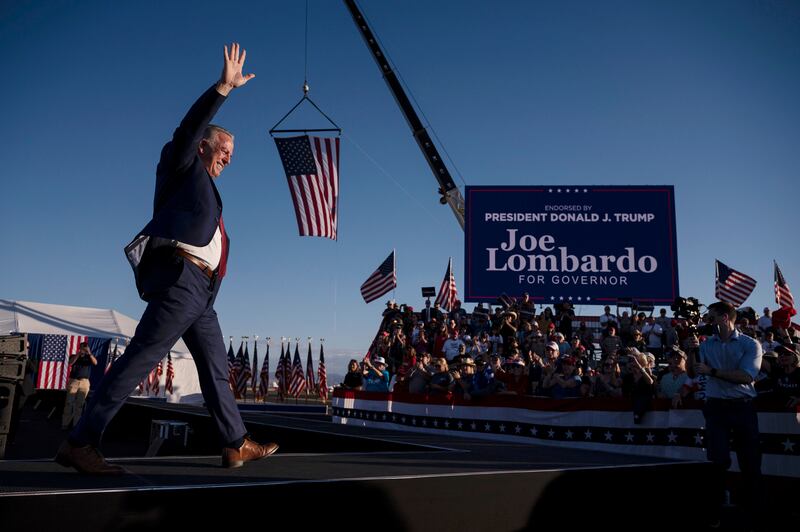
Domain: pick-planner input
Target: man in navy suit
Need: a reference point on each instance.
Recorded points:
(179, 261)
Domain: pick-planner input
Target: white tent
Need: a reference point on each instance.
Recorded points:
(43, 318)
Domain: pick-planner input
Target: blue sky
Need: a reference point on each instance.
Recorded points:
(700, 95)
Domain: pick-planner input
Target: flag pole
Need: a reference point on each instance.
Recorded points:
(296, 346)
(283, 377)
(394, 267)
(255, 376)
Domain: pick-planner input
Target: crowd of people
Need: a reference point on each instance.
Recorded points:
(515, 350)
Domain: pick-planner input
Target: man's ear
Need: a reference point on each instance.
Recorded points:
(201, 148)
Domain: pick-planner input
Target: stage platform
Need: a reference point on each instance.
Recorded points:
(327, 474)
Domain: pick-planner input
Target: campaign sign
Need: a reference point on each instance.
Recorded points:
(583, 244)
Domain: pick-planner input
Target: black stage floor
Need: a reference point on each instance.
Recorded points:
(326, 474)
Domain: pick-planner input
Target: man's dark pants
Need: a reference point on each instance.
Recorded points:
(736, 419)
(185, 309)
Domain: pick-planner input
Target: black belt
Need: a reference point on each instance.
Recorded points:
(203, 265)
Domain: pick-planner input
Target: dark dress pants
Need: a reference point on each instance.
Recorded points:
(736, 421)
(185, 310)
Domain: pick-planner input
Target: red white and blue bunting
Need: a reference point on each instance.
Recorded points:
(583, 424)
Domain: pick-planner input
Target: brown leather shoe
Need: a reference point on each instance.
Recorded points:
(86, 460)
(249, 450)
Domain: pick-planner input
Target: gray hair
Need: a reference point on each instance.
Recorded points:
(212, 130)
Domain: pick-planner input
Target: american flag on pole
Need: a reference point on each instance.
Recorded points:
(298, 381)
(170, 374)
(322, 373)
(287, 369)
(244, 374)
(783, 296)
(381, 281)
(447, 292)
(732, 286)
(112, 357)
(280, 377)
(231, 366)
(310, 377)
(53, 363)
(254, 381)
(312, 170)
(263, 385)
(156, 378)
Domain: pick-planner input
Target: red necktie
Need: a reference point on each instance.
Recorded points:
(223, 260)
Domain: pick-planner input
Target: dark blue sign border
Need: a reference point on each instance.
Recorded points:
(603, 229)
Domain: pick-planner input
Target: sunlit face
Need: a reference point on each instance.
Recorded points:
(216, 153)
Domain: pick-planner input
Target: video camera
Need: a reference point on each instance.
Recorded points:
(689, 309)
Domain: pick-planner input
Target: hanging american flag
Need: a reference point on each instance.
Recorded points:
(448, 292)
(310, 377)
(244, 375)
(170, 374)
(53, 367)
(322, 374)
(263, 386)
(280, 377)
(298, 381)
(732, 286)
(381, 281)
(783, 296)
(312, 170)
(254, 381)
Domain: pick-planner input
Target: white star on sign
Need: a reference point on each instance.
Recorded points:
(585, 190)
(568, 434)
(567, 191)
(425, 422)
(435, 423)
(551, 433)
(447, 424)
(698, 439)
(474, 425)
(672, 437)
(588, 434)
(788, 446)
(629, 436)
(576, 190)
(502, 428)
(534, 431)
(517, 429)
(549, 189)
(559, 190)
(608, 435)
(487, 427)
(460, 425)
(650, 438)
(413, 421)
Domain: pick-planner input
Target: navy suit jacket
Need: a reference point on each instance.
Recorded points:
(186, 206)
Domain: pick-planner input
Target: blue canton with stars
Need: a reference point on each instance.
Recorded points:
(296, 155)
